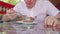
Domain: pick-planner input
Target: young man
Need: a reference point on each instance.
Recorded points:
(35, 9)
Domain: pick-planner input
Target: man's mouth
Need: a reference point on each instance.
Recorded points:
(29, 3)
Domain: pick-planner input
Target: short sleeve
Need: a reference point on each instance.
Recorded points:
(51, 9)
(17, 8)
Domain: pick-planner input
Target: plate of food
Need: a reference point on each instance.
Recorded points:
(26, 20)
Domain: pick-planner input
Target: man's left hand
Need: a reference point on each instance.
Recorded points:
(51, 22)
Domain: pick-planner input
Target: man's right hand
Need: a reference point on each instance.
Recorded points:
(11, 14)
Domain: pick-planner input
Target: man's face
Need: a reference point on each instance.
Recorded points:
(30, 2)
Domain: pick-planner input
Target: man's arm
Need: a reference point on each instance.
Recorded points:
(53, 13)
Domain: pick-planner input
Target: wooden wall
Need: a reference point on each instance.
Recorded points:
(55, 2)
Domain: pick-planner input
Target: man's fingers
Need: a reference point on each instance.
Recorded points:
(11, 11)
(12, 16)
(52, 22)
(48, 21)
(56, 22)
(57, 27)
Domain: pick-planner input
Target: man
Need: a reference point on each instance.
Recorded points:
(35, 9)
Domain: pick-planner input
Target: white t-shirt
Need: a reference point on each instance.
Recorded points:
(39, 11)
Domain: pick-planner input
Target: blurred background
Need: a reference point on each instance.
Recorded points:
(13, 2)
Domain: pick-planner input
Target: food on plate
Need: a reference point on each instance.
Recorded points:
(20, 18)
(28, 19)
(25, 19)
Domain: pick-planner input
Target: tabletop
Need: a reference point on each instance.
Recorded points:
(19, 28)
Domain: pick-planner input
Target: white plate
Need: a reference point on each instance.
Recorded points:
(26, 22)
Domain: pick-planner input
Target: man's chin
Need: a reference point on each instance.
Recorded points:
(29, 6)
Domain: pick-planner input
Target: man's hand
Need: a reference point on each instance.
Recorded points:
(11, 14)
(51, 22)
(11, 11)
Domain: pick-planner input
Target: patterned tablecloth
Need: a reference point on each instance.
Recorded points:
(14, 28)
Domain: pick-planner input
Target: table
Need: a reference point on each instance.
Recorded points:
(13, 28)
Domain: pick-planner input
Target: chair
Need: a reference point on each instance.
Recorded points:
(3, 8)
